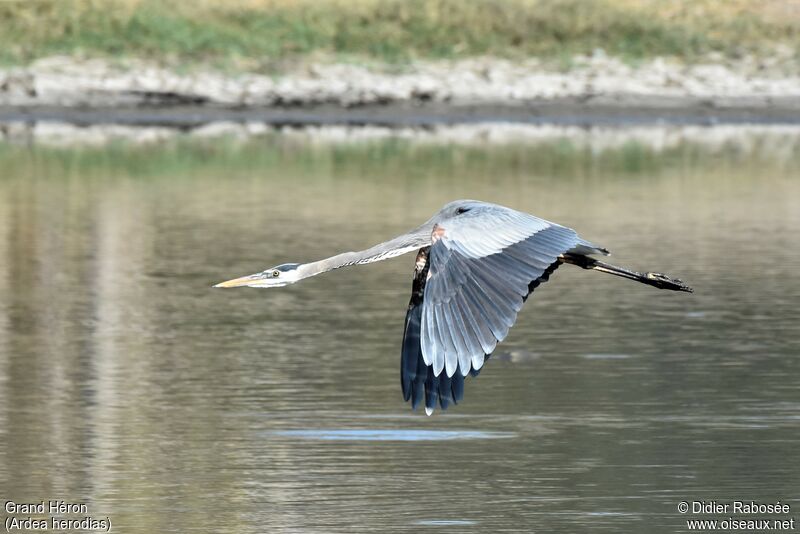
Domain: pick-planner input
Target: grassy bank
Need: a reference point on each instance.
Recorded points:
(562, 156)
(260, 32)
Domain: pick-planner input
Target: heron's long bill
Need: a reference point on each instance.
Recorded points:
(242, 281)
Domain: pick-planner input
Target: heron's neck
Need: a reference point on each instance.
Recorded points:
(417, 238)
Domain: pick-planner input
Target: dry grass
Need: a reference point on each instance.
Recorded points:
(392, 30)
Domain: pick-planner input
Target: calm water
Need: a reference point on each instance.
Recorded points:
(128, 384)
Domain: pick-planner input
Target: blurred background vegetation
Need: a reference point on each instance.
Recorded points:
(244, 32)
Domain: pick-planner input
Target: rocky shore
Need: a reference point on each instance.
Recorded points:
(475, 90)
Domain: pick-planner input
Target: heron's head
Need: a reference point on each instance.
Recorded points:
(277, 276)
(461, 209)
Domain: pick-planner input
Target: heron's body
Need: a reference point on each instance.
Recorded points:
(476, 265)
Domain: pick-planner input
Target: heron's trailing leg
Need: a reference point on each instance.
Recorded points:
(658, 280)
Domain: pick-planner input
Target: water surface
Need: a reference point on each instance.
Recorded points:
(128, 384)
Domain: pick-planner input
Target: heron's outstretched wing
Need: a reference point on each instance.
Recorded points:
(468, 288)
(417, 378)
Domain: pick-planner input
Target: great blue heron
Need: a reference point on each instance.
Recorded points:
(476, 265)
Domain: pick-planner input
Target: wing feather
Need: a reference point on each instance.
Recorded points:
(462, 352)
(484, 312)
(430, 339)
(450, 352)
(473, 282)
(473, 318)
(480, 272)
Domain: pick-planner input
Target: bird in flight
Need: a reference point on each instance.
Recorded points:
(477, 263)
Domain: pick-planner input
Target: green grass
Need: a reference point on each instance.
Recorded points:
(262, 32)
(188, 156)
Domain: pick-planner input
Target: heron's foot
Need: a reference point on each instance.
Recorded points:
(662, 281)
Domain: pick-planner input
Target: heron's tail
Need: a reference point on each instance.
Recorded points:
(658, 280)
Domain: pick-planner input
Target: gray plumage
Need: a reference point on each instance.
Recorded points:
(476, 266)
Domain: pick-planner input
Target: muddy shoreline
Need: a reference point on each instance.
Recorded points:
(619, 110)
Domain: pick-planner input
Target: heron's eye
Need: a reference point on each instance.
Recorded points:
(276, 273)
(461, 210)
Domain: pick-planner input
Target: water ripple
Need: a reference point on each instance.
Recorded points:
(357, 434)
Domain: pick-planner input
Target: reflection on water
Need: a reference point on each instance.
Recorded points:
(408, 434)
(128, 384)
(445, 523)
